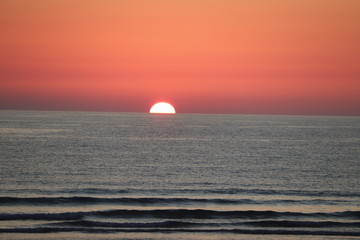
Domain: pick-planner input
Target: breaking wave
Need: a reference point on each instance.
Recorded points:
(181, 214)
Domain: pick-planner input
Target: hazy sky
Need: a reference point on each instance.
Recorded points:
(223, 56)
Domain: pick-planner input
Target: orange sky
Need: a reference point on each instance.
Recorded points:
(204, 56)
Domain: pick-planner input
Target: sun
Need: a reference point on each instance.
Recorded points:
(162, 107)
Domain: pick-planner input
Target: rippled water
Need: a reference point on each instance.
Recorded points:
(84, 175)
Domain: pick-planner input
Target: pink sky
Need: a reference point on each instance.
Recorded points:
(204, 56)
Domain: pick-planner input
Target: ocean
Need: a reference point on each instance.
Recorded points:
(89, 175)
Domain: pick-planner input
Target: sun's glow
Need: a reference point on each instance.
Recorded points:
(162, 107)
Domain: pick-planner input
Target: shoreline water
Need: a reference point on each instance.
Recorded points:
(139, 176)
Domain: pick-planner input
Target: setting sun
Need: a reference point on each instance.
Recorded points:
(162, 107)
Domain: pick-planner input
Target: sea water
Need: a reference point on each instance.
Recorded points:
(85, 175)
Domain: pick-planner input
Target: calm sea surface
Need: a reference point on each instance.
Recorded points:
(68, 175)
